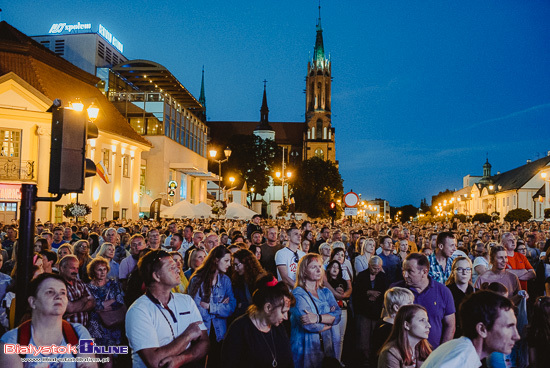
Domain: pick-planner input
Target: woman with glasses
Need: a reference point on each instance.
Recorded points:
(108, 297)
(211, 290)
(460, 284)
(246, 269)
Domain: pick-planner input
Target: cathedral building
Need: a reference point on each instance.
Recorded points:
(300, 140)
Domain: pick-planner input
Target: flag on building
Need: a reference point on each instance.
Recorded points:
(102, 172)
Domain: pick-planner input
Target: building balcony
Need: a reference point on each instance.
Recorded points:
(12, 169)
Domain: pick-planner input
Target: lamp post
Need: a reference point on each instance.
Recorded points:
(213, 154)
(283, 176)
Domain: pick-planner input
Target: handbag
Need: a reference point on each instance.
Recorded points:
(113, 317)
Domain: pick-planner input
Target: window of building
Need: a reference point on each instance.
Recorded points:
(126, 166)
(58, 213)
(101, 49)
(124, 213)
(142, 172)
(107, 160)
(104, 213)
(11, 143)
(59, 47)
(319, 153)
(319, 129)
(108, 54)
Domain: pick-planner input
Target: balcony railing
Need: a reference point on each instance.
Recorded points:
(11, 169)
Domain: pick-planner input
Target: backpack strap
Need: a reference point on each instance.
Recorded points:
(69, 333)
(24, 334)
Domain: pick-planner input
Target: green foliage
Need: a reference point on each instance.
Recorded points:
(519, 214)
(482, 217)
(460, 216)
(252, 160)
(317, 183)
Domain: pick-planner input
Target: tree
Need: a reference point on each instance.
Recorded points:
(519, 214)
(317, 183)
(482, 217)
(252, 159)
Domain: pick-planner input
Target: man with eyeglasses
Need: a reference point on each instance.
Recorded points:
(164, 329)
(287, 258)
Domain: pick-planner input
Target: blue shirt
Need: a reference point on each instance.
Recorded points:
(439, 303)
(436, 271)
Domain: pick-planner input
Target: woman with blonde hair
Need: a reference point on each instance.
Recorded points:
(107, 251)
(313, 339)
(365, 247)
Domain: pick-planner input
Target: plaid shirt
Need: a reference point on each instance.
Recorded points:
(436, 271)
(74, 292)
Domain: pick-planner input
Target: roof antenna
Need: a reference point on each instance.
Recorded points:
(319, 21)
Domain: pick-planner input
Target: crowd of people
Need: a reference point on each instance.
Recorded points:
(278, 293)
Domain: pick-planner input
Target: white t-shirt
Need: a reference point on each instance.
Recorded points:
(478, 261)
(457, 353)
(150, 325)
(286, 257)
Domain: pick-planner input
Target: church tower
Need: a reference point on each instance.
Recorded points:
(264, 130)
(319, 136)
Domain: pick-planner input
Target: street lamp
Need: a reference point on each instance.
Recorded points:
(213, 154)
(284, 176)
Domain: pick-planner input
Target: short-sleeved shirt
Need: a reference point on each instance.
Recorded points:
(507, 279)
(457, 353)
(520, 262)
(127, 265)
(286, 257)
(439, 303)
(437, 272)
(150, 325)
(478, 261)
(10, 337)
(76, 291)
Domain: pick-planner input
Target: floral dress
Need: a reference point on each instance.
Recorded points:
(103, 335)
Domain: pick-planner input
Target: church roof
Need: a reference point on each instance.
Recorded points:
(518, 177)
(285, 132)
(56, 78)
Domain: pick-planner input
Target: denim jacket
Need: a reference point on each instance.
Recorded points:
(219, 312)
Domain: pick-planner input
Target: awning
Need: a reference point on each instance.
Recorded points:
(192, 170)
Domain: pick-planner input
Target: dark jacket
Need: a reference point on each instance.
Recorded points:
(361, 302)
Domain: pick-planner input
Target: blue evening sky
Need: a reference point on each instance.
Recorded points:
(422, 90)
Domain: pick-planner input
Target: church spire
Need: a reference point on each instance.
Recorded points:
(264, 120)
(264, 130)
(202, 98)
(319, 50)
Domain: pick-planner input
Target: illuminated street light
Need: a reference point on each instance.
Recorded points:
(213, 154)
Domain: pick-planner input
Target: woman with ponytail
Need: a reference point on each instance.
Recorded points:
(257, 338)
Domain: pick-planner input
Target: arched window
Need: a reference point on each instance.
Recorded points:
(319, 153)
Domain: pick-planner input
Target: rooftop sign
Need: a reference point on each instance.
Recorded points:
(58, 28)
(64, 27)
(109, 37)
